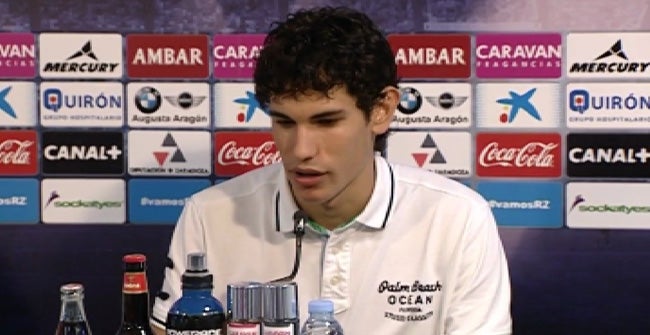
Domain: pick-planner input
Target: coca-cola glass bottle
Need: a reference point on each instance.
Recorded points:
(73, 316)
(135, 297)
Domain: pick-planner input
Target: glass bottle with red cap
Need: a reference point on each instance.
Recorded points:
(135, 297)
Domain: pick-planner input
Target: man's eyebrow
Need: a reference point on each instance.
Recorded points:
(323, 114)
(274, 113)
(326, 114)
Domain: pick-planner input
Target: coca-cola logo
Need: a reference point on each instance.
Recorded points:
(518, 155)
(533, 154)
(15, 152)
(264, 154)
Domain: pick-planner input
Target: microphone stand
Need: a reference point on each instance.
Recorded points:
(299, 221)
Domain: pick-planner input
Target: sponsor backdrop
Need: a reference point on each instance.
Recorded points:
(113, 112)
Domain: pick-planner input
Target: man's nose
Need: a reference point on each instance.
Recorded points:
(305, 146)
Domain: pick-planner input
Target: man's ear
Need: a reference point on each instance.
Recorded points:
(382, 113)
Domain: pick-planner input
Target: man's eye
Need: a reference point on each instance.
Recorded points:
(327, 122)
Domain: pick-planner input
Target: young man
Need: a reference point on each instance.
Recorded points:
(398, 250)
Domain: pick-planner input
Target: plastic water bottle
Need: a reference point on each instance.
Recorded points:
(321, 319)
(196, 311)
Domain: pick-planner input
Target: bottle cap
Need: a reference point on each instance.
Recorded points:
(72, 288)
(196, 275)
(134, 258)
(196, 262)
(320, 306)
(245, 300)
(280, 301)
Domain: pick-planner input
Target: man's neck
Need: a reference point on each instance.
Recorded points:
(345, 207)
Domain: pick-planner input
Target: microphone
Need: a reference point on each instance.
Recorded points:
(299, 221)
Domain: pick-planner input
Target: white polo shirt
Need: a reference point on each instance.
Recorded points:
(424, 256)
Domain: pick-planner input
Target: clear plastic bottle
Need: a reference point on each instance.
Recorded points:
(321, 320)
(73, 315)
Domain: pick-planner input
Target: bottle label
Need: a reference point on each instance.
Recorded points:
(193, 332)
(135, 282)
(202, 324)
(236, 328)
(278, 330)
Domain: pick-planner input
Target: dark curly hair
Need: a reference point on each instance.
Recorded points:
(321, 48)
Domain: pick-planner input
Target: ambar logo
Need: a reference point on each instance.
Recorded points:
(431, 56)
(167, 56)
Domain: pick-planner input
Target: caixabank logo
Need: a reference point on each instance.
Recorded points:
(519, 55)
(235, 106)
(87, 104)
(17, 55)
(170, 105)
(83, 152)
(169, 153)
(81, 200)
(235, 55)
(237, 152)
(18, 152)
(607, 105)
(518, 155)
(17, 104)
(608, 155)
(446, 153)
(78, 55)
(608, 205)
(431, 55)
(608, 55)
(440, 105)
(518, 105)
(167, 56)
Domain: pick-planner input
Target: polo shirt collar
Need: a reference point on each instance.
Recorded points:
(374, 215)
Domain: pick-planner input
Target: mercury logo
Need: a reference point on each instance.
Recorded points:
(615, 51)
(86, 51)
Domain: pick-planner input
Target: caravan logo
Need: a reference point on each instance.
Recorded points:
(518, 55)
(17, 55)
(235, 54)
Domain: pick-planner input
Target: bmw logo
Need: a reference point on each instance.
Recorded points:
(147, 100)
(410, 100)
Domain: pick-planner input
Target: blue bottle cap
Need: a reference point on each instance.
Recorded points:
(320, 306)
